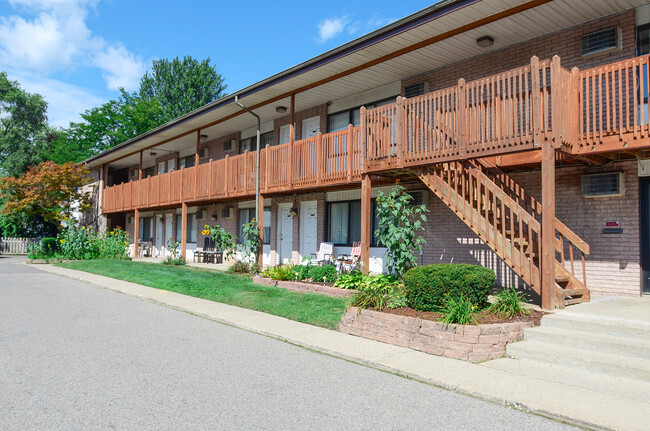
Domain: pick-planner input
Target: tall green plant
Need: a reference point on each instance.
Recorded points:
(399, 224)
(252, 241)
(223, 241)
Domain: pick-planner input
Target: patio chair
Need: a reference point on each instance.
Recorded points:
(324, 254)
(145, 248)
(208, 253)
(350, 261)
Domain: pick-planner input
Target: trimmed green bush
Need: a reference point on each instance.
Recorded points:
(316, 273)
(49, 245)
(301, 271)
(428, 287)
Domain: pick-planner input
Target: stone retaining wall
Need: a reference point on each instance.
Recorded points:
(473, 343)
(298, 286)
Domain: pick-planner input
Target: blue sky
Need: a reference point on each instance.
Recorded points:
(77, 53)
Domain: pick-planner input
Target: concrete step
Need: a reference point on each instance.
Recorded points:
(598, 324)
(633, 389)
(594, 341)
(616, 365)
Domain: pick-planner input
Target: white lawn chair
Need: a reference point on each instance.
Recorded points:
(324, 254)
(350, 261)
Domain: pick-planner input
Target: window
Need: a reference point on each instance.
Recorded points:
(340, 120)
(149, 172)
(250, 144)
(227, 145)
(186, 162)
(191, 228)
(344, 222)
(246, 215)
(643, 39)
(599, 41)
(145, 233)
(414, 90)
(605, 184)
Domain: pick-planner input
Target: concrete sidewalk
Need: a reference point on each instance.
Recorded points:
(572, 404)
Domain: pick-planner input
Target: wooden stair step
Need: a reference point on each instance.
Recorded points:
(573, 301)
(561, 278)
(573, 292)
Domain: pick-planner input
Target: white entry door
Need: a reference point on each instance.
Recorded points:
(169, 230)
(160, 237)
(310, 127)
(285, 233)
(308, 228)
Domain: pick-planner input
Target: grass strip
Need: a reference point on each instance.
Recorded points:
(238, 290)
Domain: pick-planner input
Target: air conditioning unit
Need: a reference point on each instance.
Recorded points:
(228, 146)
(226, 213)
(420, 197)
(200, 214)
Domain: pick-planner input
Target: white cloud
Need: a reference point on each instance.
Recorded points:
(56, 38)
(331, 27)
(121, 67)
(65, 101)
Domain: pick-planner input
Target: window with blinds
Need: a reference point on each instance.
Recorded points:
(602, 40)
(605, 184)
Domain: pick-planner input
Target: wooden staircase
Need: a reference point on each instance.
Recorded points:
(508, 221)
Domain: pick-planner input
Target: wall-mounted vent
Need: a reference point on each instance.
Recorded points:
(605, 184)
(226, 213)
(599, 41)
(228, 146)
(419, 197)
(415, 89)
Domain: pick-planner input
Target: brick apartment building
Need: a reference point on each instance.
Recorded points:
(522, 125)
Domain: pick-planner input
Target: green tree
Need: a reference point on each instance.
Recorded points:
(105, 126)
(182, 86)
(23, 128)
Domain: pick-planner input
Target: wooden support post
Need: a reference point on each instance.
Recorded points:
(136, 233)
(225, 175)
(184, 230)
(462, 118)
(399, 129)
(196, 164)
(574, 107)
(350, 151)
(366, 205)
(246, 173)
(548, 227)
(536, 106)
(363, 141)
(319, 157)
(260, 225)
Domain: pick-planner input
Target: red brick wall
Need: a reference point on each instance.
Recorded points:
(564, 43)
(614, 264)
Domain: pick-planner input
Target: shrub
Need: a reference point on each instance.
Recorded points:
(240, 267)
(352, 280)
(379, 291)
(36, 252)
(79, 243)
(301, 272)
(458, 311)
(49, 246)
(509, 303)
(326, 272)
(283, 272)
(171, 260)
(428, 287)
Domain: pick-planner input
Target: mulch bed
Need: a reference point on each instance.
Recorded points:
(482, 317)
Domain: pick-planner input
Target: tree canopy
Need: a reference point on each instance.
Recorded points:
(49, 190)
(23, 128)
(182, 86)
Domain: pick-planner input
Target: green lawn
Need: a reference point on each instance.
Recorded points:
(217, 286)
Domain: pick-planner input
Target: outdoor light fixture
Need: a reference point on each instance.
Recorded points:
(204, 137)
(280, 109)
(294, 208)
(485, 41)
(214, 217)
(152, 153)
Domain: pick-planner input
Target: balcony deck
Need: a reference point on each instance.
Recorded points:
(599, 110)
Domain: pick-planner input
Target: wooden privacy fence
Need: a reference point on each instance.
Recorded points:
(517, 110)
(17, 245)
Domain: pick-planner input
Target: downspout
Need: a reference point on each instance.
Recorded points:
(257, 162)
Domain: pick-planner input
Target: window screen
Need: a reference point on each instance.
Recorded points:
(599, 41)
(606, 184)
(414, 90)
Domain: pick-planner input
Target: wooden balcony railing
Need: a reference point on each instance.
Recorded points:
(600, 109)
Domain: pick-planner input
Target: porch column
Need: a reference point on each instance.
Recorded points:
(366, 205)
(260, 225)
(548, 227)
(292, 137)
(136, 233)
(196, 164)
(184, 230)
(140, 167)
